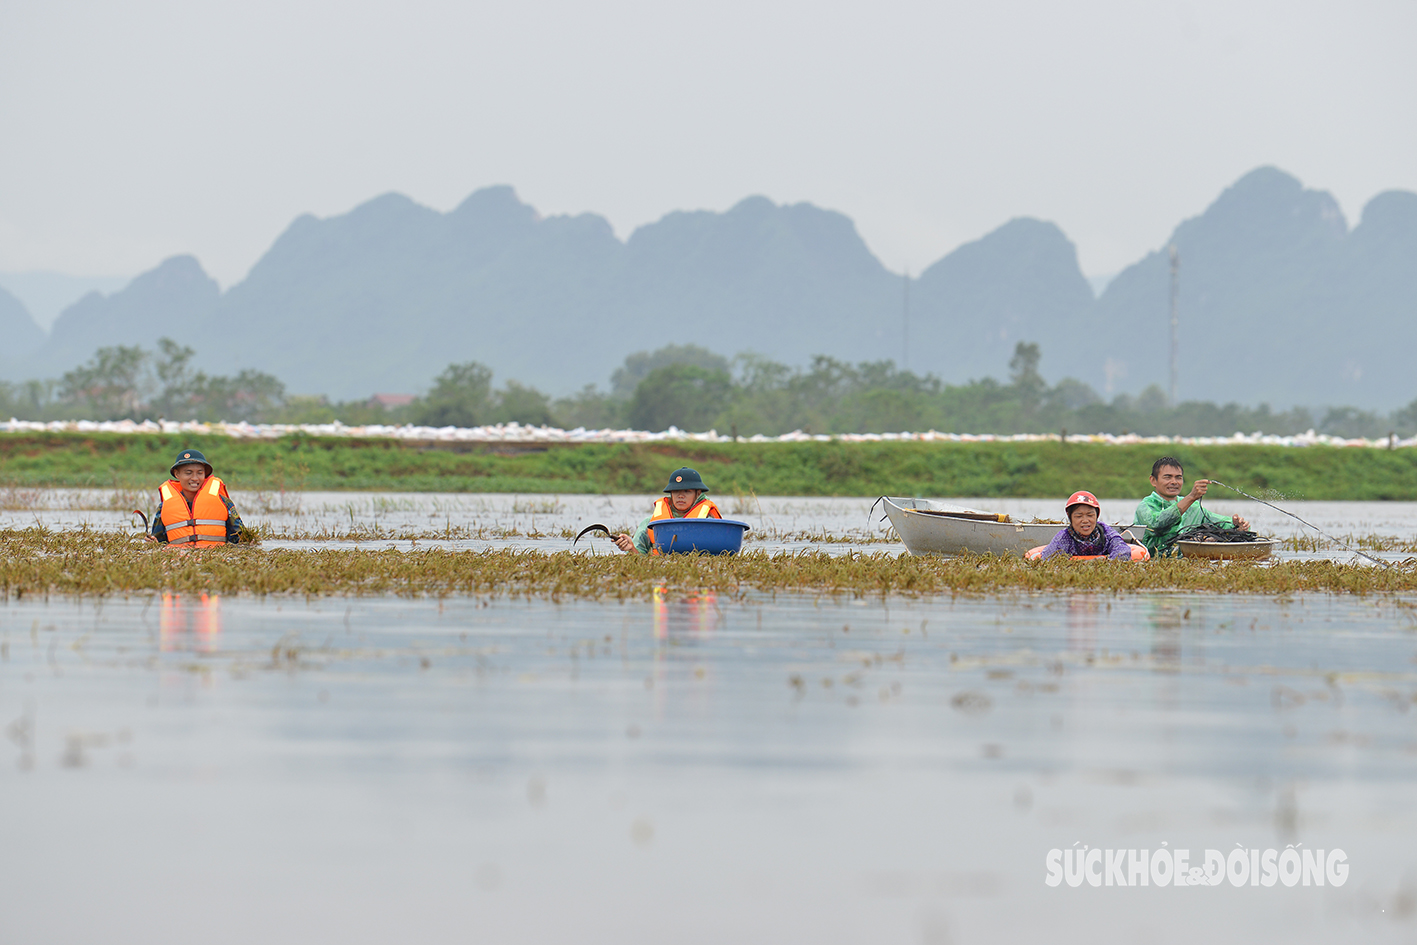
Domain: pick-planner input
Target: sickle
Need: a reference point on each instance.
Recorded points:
(591, 528)
(139, 513)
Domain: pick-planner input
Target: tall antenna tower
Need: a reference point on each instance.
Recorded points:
(905, 326)
(1175, 313)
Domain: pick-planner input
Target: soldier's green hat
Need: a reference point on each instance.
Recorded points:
(186, 458)
(685, 478)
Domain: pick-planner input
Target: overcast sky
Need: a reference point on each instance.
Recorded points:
(134, 131)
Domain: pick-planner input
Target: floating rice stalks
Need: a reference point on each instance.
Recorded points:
(1317, 543)
(91, 562)
(14, 498)
(373, 531)
(823, 536)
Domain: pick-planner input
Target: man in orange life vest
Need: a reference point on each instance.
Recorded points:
(685, 499)
(195, 510)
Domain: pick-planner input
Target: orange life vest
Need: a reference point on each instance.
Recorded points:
(664, 508)
(203, 524)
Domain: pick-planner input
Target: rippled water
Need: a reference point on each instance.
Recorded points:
(780, 523)
(697, 770)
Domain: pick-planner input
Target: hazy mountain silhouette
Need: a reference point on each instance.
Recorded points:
(1019, 283)
(1366, 313)
(784, 281)
(392, 292)
(1248, 265)
(46, 294)
(20, 333)
(1279, 301)
(384, 297)
(177, 299)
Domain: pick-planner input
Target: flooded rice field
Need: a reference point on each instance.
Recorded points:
(548, 523)
(697, 769)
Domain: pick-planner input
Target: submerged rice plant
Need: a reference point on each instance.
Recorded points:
(1372, 542)
(91, 562)
(14, 498)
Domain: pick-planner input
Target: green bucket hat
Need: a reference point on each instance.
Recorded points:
(685, 478)
(186, 458)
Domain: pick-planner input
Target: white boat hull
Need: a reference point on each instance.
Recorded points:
(933, 534)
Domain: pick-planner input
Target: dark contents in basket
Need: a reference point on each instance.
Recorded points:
(1209, 532)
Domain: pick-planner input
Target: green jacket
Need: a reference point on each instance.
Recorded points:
(1164, 521)
(642, 538)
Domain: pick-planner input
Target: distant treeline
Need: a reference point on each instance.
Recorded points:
(685, 386)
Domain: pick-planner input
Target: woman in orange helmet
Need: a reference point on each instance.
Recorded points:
(1085, 535)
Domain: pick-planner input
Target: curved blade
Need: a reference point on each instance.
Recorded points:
(591, 528)
(141, 515)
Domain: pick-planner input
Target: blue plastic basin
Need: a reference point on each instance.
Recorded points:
(712, 536)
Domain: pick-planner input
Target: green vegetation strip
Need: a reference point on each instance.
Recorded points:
(1025, 470)
(90, 563)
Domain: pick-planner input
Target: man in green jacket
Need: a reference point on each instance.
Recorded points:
(1164, 516)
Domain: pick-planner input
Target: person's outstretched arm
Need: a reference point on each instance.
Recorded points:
(1158, 519)
(1060, 545)
(233, 522)
(639, 541)
(1117, 546)
(158, 531)
(1161, 521)
(1225, 521)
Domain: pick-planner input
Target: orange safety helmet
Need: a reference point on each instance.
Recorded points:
(1082, 497)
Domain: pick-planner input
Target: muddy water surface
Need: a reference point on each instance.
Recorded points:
(697, 770)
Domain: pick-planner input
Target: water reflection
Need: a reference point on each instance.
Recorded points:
(684, 614)
(773, 769)
(1164, 619)
(189, 623)
(681, 619)
(1082, 620)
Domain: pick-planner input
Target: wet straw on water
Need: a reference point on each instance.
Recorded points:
(1344, 544)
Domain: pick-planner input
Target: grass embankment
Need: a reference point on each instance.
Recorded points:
(89, 563)
(1037, 470)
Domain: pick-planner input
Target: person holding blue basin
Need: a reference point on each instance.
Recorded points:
(684, 498)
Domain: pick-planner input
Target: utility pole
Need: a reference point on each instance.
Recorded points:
(905, 326)
(1175, 313)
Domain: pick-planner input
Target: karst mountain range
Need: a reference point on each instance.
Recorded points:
(1280, 300)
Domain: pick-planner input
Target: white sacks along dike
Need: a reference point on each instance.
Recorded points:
(516, 433)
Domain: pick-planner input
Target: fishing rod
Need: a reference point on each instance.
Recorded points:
(1346, 547)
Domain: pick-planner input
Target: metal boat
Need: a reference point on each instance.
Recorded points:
(936, 528)
(1233, 550)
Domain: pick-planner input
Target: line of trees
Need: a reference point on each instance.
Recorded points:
(686, 386)
(122, 381)
(695, 389)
